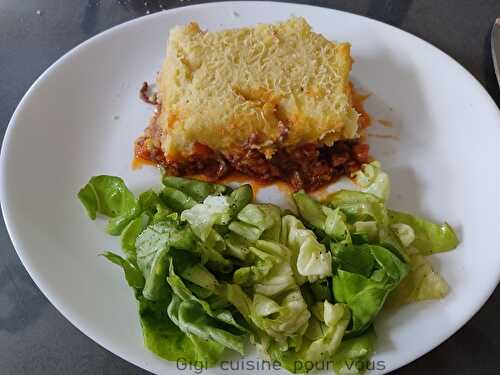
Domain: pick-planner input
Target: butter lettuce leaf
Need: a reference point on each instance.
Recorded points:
(353, 355)
(209, 268)
(203, 216)
(192, 319)
(153, 247)
(422, 283)
(310, 210)
(373, 180)
(132, 274)
(310, 259)
(282, 318)
(161, 335)
(270, 272)
(198, 190)
(109, 196)
(335, 318)
(430, 238)
(322, 339)
(131, 232)
(180, 289)
(164, 338)
(364, 284)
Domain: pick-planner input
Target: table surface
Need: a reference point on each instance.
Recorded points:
(34, 337)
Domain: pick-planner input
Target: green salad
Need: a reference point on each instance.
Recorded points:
(212, 270)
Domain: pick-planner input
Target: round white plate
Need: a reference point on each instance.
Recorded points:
(81, 117)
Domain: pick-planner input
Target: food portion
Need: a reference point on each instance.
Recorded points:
(212, 269)
(271, 102)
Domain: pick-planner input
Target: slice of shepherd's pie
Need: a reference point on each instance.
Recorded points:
(272, 102)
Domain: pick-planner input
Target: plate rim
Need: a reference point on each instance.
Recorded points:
(15, 237)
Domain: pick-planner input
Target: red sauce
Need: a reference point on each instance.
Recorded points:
(358, 100)
(138, 163)
(385, 123)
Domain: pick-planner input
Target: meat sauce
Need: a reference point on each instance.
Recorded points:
(307, 167)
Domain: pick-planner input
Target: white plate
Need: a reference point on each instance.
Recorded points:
(81, 116)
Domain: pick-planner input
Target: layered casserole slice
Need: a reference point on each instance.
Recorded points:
(273, 102)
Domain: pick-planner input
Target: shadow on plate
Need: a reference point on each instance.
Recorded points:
(395, 141)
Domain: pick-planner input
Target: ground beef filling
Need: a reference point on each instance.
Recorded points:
(306, 167)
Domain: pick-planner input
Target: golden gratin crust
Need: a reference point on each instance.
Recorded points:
(267, 87)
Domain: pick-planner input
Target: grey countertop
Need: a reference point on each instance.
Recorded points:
(34, 337)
